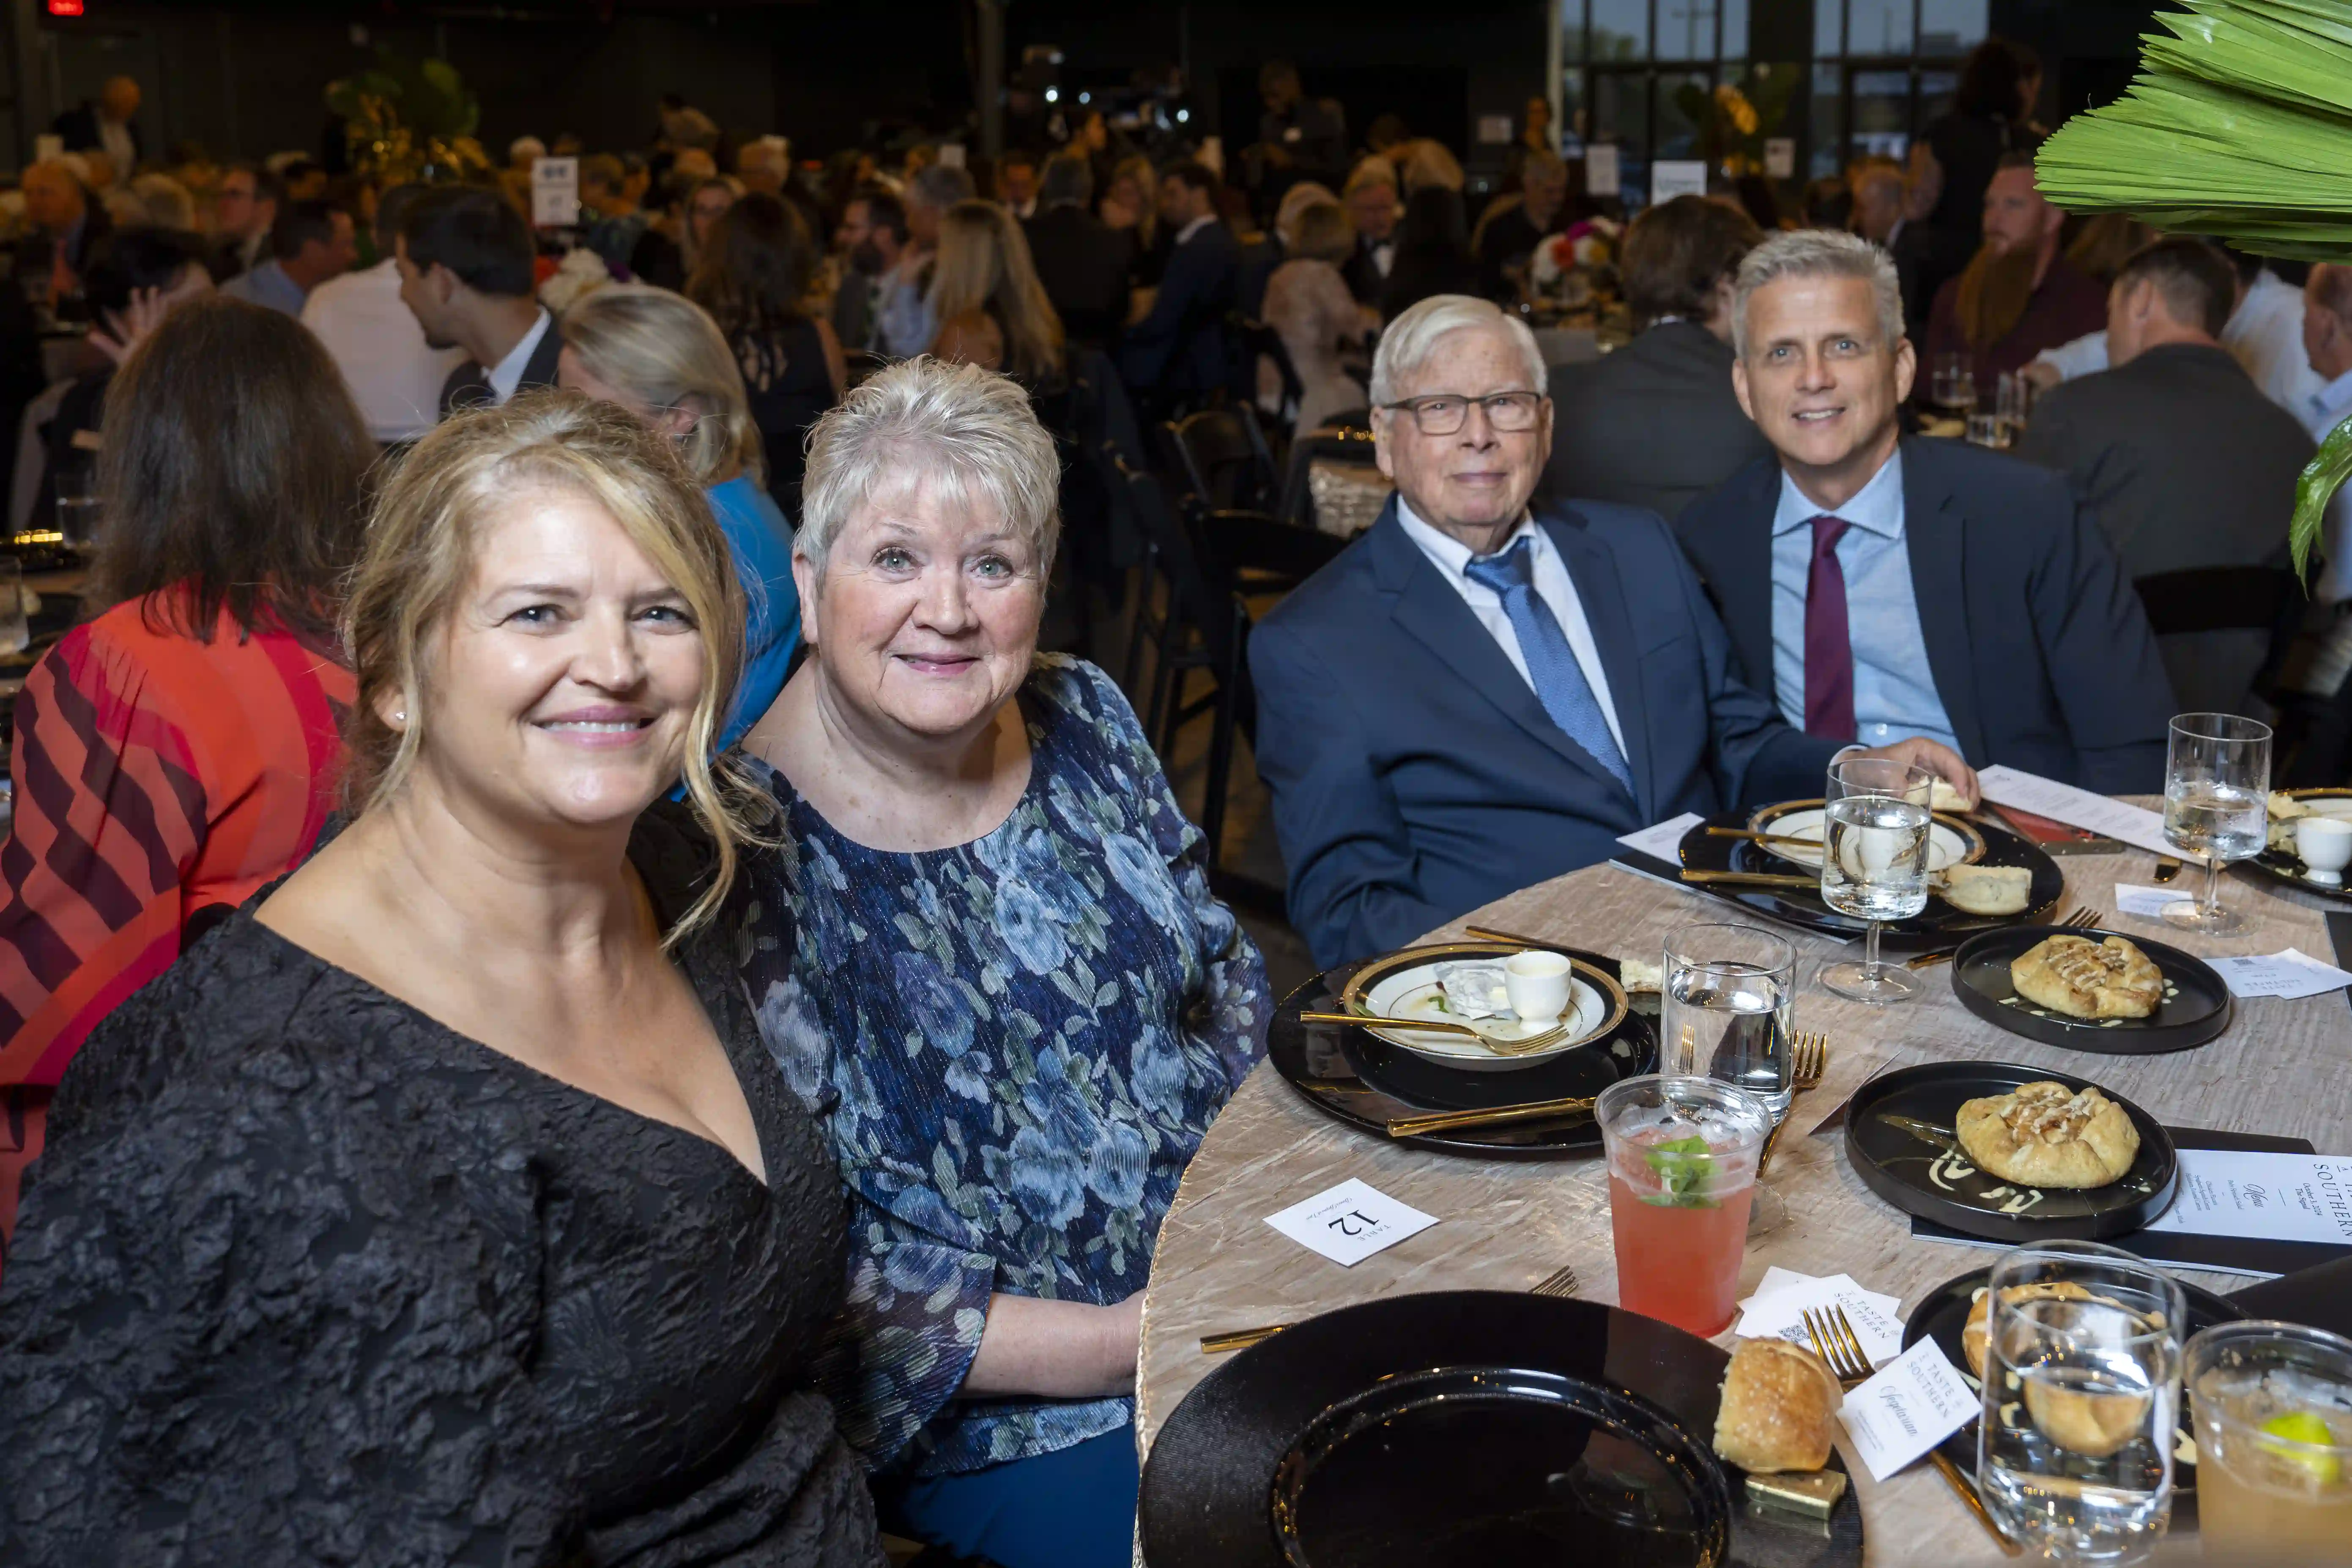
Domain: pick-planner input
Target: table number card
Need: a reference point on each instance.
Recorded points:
(1349, 1222)
(1914, 1404)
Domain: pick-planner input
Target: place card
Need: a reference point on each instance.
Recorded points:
(2288, 973)
(1349, 1222)
(2133, 899)
(1777, 1312)
(2133, 825)
(1916, 1402)
(1601, 175)
(1665, 839)
(2274, 1197)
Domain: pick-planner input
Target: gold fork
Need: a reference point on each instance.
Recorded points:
(1835, 1342)
(2084, 918)
(1561, 1281)
(1810, 1059)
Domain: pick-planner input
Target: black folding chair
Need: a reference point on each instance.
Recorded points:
(1260, 341)
(1223, 458)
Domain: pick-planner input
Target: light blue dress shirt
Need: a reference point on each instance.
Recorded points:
(267, 285)
(1894, 690)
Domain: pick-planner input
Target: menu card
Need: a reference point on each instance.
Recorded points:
(1916, 1403)
(2290, 974)
(1778, 1311)
(2047, 797)
(2277, 1197)
(1349, 1222)
(1665, 839)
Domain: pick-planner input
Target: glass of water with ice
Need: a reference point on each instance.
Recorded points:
(2082, 1400)
(1729, 992)
(1875, 865)
(2217, 782)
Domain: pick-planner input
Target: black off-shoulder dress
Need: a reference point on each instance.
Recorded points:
(304, 1277)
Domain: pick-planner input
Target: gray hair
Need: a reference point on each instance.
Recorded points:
(938, 185)
(1065, 179)
(1413, 337)
(1818, 253)
(969, 430)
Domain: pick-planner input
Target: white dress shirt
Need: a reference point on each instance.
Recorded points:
(1195, 227)
(506, 374)
(1553, 586)
(2265, 332)
(374, 339)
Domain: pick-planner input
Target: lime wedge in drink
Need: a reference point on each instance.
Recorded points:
(2303, 1426)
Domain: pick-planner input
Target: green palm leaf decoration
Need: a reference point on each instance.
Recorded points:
(2239, 127)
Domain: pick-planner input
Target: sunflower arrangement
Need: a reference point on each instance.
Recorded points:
(408, 120)
(1733, 120)
(2239, 127)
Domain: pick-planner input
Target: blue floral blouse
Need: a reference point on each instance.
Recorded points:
(1015, 1046)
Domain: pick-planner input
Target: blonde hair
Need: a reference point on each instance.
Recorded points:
(665, 351)
(983, 265)
(1430, 162)
(970, 429)
(423, 545)
(1323, 231)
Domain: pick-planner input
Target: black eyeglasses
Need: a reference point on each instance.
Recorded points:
(1443, 415)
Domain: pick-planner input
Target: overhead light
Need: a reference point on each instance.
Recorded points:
(1083, 96)
(1182, 115)
(1052, 95)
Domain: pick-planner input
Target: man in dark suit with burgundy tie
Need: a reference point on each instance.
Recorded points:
(1877, 586)
(1475, 697)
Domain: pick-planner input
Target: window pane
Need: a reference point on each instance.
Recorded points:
(1685, 29)
(1621, 29)
(1829, 28)
(1936, 88)
(1574, 114)
(1882, 113)
(1677, 131)
(1828, 123)
(1571, 31)
(1878, 28)
(1951, 26)
(1735, 29)
(1620, 114)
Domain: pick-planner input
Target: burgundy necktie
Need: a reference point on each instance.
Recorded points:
(1829, 644)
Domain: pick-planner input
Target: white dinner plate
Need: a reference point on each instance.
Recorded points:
(1418, 991)
(1949, 843)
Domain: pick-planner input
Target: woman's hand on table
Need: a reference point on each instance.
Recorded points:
(1063, 1350)
(1937, 758)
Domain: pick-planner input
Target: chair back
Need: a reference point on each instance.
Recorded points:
(1197, 599)
(1222, 456)
(1262, 344)
(1334, 483)
(2220, 599)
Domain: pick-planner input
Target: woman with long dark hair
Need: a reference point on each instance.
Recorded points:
(754, 279)
(1433, 254)
(178, 751)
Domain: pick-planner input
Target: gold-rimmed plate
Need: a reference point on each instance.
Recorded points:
(1410, 984)
(2281, 863)
(1951, 841)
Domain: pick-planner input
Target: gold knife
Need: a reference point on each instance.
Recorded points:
(1455, 1120)
(1748, 879)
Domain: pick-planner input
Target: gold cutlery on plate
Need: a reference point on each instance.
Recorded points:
(2084, 918)
(1753, 836)
(1835, 1342)
(1561, 1281)
(1456, 1121)
(1519, 1048)
(1748, 879)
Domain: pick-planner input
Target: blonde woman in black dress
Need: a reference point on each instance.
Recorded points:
(443, 1206)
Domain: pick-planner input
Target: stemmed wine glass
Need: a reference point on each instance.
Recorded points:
(2217, 782)
(1874, 865)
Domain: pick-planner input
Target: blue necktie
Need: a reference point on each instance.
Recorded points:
(1559, 681)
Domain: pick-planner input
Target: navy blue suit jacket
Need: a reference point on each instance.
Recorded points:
(1416, 777)
(1179, 346)
(2040, 649)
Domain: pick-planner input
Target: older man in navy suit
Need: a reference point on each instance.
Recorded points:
(1474, 696)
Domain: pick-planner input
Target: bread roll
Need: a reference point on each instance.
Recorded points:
(1988, 889)
(1779, 1408)
(1942, 796)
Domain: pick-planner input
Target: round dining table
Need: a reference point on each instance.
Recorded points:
(2283, 1068)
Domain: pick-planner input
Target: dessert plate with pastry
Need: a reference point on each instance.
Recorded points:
(2310, 844)
(1979, 877)
(1368, 1076)
(1956, 1315)
(2091, 991)
(1501, 1428)
(2009, 1153)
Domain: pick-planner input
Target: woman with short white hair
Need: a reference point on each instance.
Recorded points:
(995, 967)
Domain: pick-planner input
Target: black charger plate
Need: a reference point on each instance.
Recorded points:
(2197, 1010)
(1943, 1313)
(1938, 926)
(1906, 1165)
(1352, 1074)
(1485, 1429)
(2285, 866)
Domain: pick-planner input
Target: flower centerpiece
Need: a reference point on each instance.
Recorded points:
(1731, 121)
(407, 119)
(2239, 126)
(1576, 267)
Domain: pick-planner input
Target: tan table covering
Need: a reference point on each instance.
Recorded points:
(2282, 1068)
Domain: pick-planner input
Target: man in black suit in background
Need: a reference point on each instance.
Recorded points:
(1880, 587)
(107, 126)
(466, 274)
(1656, 425)
(1179, 348)
(2177, 453)
(1081, 261)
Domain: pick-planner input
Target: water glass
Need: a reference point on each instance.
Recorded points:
(15, 634)
(2082, 1401)
(2013, 404)
(1953, 382)
(1682, 1177)
(1988, 430)
(1729, 998)
(78, 507)
(2272, 1408)
(2217, 781)
(1875, 865)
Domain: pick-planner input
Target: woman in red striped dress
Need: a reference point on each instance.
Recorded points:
(178, 751)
